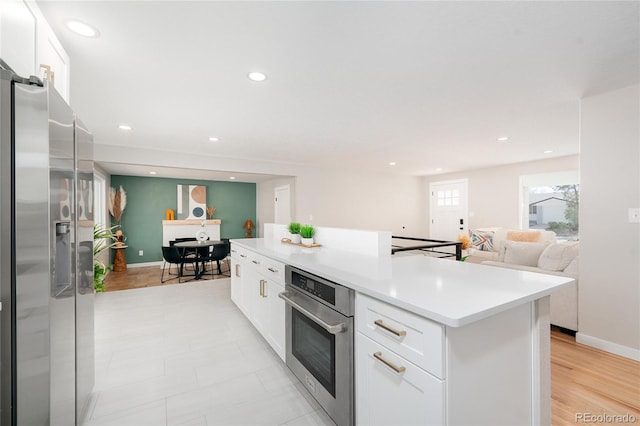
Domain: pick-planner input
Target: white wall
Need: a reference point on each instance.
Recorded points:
(609, 294)
(494, 193)
(265, 210)
(344, 199)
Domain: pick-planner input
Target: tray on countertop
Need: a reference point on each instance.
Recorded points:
(288, 241)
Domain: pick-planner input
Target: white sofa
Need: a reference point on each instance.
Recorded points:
(534, 251)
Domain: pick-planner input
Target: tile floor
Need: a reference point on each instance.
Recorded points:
(185, 355)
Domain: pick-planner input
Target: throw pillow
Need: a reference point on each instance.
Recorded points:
(524, 236)
(522, 253)
(572, 269)
(556, 257)
(482, 240)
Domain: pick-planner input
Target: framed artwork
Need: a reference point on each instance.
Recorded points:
(192, 202)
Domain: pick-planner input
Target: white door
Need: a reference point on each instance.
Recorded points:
(448, 209)
(282, 203)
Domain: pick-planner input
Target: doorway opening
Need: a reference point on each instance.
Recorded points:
(282, 204)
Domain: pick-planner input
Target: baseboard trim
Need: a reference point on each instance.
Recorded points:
(605, 345)
(143, 264)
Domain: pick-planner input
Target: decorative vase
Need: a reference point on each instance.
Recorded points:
(295, 238)
(202, 235)
(307, 241)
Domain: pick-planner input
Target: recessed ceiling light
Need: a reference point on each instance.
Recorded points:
(503, 139)
(124, 127)
(393, 163)
(212, 139)
(232, 177)
(438, 169)
(257, 76)
(153, 173)
(82, 29)
(548, 151)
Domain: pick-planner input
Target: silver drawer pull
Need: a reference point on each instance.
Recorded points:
(256, 262)
(399, 370)
(237, 269)
(273, 269)
(233, 251)
(380, 324)
(243, 255)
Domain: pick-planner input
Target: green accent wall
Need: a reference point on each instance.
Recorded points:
(148, 199)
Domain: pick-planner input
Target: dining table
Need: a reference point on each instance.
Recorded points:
(189, 248)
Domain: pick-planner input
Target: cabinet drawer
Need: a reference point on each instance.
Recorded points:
(413, 337)
(385, 396)
(272, 269)
(238, 253)
(269, 268)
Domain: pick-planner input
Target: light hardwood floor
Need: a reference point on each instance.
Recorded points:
(149, 276)
(587, 381)
(584, 381)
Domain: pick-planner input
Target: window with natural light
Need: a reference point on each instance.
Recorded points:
(448, 198)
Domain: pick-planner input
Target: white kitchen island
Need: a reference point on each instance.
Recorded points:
(474, 347)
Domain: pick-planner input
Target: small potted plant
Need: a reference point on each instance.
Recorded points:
(294, 232)
(306, 233)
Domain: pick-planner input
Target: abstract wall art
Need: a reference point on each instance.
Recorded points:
(192, 202)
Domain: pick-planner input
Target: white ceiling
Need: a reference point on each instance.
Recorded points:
(427, 85)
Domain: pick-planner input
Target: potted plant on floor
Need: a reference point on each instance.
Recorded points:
(294, 232)
(103, 239)
(306, 234)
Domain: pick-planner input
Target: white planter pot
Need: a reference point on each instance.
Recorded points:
(295, 238)
(306, 241)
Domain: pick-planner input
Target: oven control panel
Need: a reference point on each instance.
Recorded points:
(316, 288)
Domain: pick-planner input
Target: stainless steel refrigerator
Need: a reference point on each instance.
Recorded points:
(46, 256)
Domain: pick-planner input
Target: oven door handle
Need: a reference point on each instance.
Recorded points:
(331, 329)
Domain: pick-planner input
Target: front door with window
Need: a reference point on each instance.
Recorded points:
(448, 209)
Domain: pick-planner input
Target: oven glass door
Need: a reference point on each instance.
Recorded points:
(315, 348)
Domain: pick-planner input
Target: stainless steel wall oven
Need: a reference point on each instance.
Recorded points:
(319, 327)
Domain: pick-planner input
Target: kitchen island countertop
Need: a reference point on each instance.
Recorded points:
(443, 290)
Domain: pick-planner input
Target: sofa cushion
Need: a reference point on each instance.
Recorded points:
(524, 236)
(556, 257)
(522, 253)
(572, 268)
(482, 240)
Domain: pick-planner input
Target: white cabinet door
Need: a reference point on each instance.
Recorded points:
(385, 396)
(52, 54)
(276, 326)
(236, 281)
(260, 308)
(248, 290)
(27, 42)
(256, 290)
(18, 37)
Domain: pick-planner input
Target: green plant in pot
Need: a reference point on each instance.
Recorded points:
(306, 234)
(294, 232)
(103, 239)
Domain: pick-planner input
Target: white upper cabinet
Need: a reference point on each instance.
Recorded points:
(51, 53)
(27, 42)
(18, 36)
